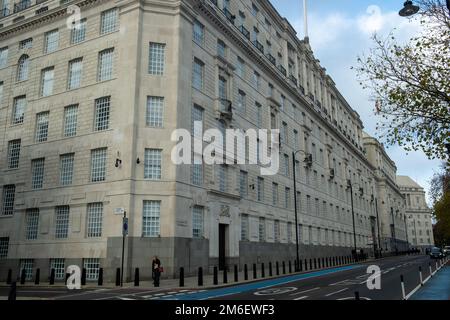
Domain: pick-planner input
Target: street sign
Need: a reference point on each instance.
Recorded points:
(120, 211)
(125, 227)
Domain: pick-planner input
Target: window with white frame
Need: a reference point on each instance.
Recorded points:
(58, 264)
(197, 221)
(92, 266)
(276, 230)
(156, 59)
(151, 215)
(245, 227)
(102, 112)
(22, 68)
(241, 102)
(287, 198)
(26, 44)
(47, 77)
(262, 230)
(8, 197)
(109, 21)
(221, 48)
(240, 68)
(75, 71)
(62, 222)
(41, 134)
(98, 165)
(3, 57)
(4, 246)
(14, 153)
(37, 173)
(51, 41)
(70, 120)
(94, 220)
(197, 116)
(27, 265)
(105, 64)
(20, 104)
(222, 177)
(243, 183)
(197, 74)
(260, 189)
(152, 164)
(32, 226)
(155, 112)
(66, 169)
(198, 33)
(197, 170)
(78, 34)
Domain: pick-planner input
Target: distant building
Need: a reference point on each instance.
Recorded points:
(420, 228)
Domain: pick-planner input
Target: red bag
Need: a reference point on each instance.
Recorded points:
(161, 269)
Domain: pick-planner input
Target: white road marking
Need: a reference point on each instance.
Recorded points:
(301, 298)
(339, 282)
(300, 292)
(336, 292)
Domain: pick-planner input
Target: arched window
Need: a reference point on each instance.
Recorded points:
(22, 68)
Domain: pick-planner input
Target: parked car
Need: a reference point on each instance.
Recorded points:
(447, 250)
(436, 253)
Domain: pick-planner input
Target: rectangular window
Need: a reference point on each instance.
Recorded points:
(287, 198)
(109, 21)
(51, 41)
(62, 222)
(243, 184)
(156, 58)
(37, 173)
(286, 165)
(70, 120)
(152, 164)
(66, 169)
(98, 165)
(197, 221)
(260, 189)
(241, 103)
(221, 48)
(259, 116)
(197, 74)
(102, 111)
(94, 220)
(105, 65)
(276, 230)
(19, 109)
(274, 194)
(32, 227)
(78, 35)
(198, 33)
(222, 177)
(197, 170)
(58, 265)
(4, 246)
(41, 134)
(256, 80)
(244, 227)
(75, 70)
(262, 230)
(26, 44)
(240, 69)
(151, 219)
(47, 76)
(27, 265)
(3, 57)
(155, 111)
(9, 193)
(14, 154)
(289, 231)
(1, 92)
(92, 266)
(197, 116)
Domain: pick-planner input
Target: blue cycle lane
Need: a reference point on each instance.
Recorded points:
(437, 288)
(232, 290)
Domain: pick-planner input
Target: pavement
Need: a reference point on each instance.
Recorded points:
(437, 288)
(336, 283)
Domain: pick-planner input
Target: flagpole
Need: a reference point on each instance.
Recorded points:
(305, 18)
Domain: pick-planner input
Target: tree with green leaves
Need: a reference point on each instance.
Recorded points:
(410, 84)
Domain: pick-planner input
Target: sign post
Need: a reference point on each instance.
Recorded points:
(124, 234)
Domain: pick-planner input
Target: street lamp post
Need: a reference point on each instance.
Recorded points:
(393, 229)
(378, 227)
(406, 230)
(295, 209)
(350, 186)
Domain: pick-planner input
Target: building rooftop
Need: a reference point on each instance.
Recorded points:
(405, 181)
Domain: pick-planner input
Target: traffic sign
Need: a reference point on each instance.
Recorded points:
(120, 211)
(125, 227)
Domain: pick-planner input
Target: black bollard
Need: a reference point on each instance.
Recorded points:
(277, 265)
(284, 268)
(181, 277)
(315, 263)
(12, 292)
(100, 276)
(225, 275)
(236, 273)
(83, 277)
(270, 269)
(263, 271)
(306, 265)
(318, 263)
(136, 277)
(22, 277)
(215, 277)
(290, 267)
(245, 272)
(356, 295)
(9, 278)
(52, 277)
(301, 265)
(255, 276)
(200, 277)
(117, 277)
(67, 278)
(38, 276)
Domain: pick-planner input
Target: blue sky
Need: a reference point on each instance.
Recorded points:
(339, 31)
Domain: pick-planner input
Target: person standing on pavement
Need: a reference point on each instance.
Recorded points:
(156, 270)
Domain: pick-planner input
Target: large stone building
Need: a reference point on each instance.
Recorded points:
(86, 119)
(418, 214)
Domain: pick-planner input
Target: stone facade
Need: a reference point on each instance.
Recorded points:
(171, 62)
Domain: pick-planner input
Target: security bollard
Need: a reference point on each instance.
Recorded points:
(323, 262)
(270, 269)
(181, 277)
(263, 272)
(310, 264)
(357, 295)
(38, 276)
(136, 277)
(12, 292)
(236, 273)
(215, 277)
(278, 268)
(200, 277)
(225, 274)
(83, 277)
(245, 272)
(100, 276)
(284, 267)
(255, 276)
(52, 277)
(9, 278)
(315, 263)
(117, 277)
(22, 277)
(306, 265)
(290, 267)
(403, 287)
(420, 275)
(431, 271)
